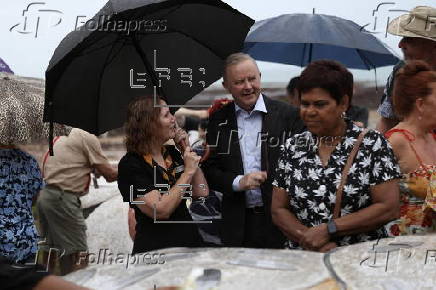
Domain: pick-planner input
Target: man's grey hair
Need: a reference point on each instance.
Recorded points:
(235, 59)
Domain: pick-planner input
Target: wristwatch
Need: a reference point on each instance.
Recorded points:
(331, 228)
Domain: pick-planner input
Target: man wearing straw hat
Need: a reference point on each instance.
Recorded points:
(418, 29)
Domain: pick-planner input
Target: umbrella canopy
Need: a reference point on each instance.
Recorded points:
(138, 47)
(21, 111)
(299, 39)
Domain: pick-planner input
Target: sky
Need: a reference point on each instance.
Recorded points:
(28, 50)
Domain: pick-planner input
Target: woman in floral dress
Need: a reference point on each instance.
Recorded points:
(311, 163)
(414, 144)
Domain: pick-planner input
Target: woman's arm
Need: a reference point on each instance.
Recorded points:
(199, 185)
(165, 204)
(283, 218)
(384, 208)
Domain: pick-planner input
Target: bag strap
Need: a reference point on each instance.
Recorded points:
(344, 176)
(44, 161)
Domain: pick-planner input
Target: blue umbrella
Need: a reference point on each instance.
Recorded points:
(299, 39)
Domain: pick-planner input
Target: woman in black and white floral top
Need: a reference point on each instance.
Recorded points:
(310, 168)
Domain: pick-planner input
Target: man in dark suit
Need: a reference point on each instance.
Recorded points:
(244, 137)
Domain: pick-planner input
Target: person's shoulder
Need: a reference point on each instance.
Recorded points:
(220, 108)
(221, 111)
(83, 134)
(271, 101)
(370, 133)
(279, 105)
(399, 65)
(26, 157)
(289, 114)
(396, 138)
(303, 139)
(374, 141)
(304, 134)
(130, 159)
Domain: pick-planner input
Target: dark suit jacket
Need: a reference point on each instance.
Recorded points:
(225, 163)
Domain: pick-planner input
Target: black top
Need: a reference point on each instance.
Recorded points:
(19, 276)
(134, 170)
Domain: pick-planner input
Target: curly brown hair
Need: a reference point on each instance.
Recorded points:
(411, 82)
(142, 124)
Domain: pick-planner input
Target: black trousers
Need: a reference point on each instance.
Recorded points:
(256, 229)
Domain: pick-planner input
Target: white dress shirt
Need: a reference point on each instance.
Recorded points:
(249, 133)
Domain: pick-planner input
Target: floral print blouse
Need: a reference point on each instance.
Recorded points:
(417, 196)
(20, 181)
(312, 187)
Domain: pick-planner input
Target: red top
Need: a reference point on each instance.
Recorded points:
(410, 137)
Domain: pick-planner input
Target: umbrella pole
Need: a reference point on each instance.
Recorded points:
(310, 53)
(147, 65)
(303, 56)
(370, 66)
(50, 138)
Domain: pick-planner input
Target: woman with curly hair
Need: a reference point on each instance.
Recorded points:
(414, 144)
(156, 178)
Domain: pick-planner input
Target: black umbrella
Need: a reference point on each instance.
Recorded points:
(137, 47)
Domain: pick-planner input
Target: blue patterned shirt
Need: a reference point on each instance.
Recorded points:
(20, 181)
(386, 108)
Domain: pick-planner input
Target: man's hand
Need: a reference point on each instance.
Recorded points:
(96, 173)
(109, 172)
(252, 180)
(315, 238)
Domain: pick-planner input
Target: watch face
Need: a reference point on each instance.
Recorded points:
(331, 227)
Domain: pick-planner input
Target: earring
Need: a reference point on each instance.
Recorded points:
(343, 115)
(420, 117)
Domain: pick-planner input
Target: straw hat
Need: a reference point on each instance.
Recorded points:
(420, 22)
